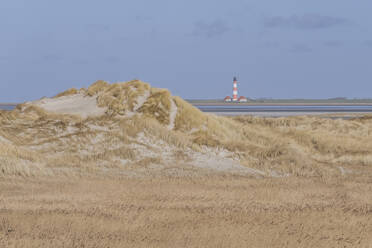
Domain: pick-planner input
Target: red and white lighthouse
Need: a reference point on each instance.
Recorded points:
(235, 90)
(235, 94)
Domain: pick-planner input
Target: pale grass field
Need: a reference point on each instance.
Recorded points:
(205, 211)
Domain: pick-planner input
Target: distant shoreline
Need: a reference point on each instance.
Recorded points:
(285, 102)
(8, 104)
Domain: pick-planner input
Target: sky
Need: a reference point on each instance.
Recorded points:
(277, 49)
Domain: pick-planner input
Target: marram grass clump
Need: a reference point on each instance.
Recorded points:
(98, 86)
(68, 92)
(118, 98)
(158, 106)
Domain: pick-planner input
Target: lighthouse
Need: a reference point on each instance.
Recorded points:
(235, 90)
(235, 94)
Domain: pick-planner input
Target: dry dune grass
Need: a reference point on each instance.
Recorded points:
(68, 92)
(158, 106)
(16, 161)
(204, 211)
(119, 98)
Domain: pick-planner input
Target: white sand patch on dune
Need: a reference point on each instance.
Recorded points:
(172, 114)
(207, 161)
(215, 159)
(149, 147)
(221, 160)
(78, 104)
(4, 140)
(98, 128)
(344, 171)
(141, 100)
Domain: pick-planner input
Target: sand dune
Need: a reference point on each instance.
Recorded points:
(132, 128)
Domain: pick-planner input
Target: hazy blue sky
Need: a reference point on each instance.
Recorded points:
(280, 49)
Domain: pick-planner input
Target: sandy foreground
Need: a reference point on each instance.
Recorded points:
(206, 211)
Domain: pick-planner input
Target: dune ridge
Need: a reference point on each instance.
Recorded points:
(131, 128)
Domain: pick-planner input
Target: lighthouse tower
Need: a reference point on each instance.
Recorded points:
(235, 90)
(235, 94)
